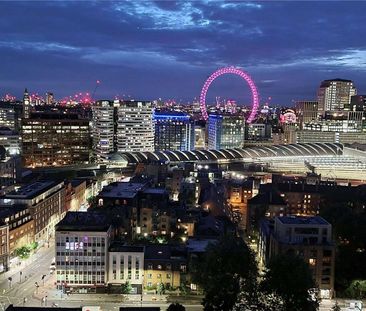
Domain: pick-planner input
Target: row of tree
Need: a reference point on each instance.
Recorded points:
(228, 275)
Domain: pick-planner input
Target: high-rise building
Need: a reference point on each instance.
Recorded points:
(173, 131)
(335, 95)
(306, 111)
(26, 104)
(225, 131)
(10, 115)
(358, 103)
(104, 128)
(135, 126)
(49, 98)
(55, 139)
(122, 126)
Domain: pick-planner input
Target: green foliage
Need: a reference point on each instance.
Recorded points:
(160, 288)
(348, 219)
(23, 252)
(33, 245)
(176, 307)
(126, 288)
(258, 300)
(291, 279)
(357, 289)
(219, 271)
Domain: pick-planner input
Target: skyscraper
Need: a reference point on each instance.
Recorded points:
(306, 111)
(335, 95)
(135, 126)
(49, 98)
(104, 128)
(173, 131)
(225, 131)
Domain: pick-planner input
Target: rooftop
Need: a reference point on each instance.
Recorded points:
(121, 247)
(31, 190)
(126, 190)
(302, 220)
(84, 221)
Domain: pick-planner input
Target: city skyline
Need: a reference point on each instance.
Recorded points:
(287, 48)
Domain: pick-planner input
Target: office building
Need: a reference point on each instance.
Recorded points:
(335, 95)
(104, 129)
(4, 249)
(122, 126)
(306, 111)
(50, 99)
(358, 103)
(55, 139)
(45, 201)
(173, 131)
(10, 115)
(10, 170)
(20, 225)
(307, 237)
(126, 264)
(135, 127)
(82, 242)
(10, 140)
(225, 131)
(258, 131)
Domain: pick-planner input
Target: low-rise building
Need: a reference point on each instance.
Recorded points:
(308, 237)
(164, 265)
(45, 201)
(82, 242)
(126, 265)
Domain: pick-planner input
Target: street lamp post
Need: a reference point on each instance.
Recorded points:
(20, 276)
(9, 280)
(43, 276)
(36, 285)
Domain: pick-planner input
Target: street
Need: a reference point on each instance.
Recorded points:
(22, 290)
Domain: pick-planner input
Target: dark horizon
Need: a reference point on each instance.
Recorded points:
(152, 50)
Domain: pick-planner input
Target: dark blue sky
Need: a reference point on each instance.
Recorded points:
(167, 49)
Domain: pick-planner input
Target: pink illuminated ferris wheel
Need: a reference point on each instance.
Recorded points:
(235, 71)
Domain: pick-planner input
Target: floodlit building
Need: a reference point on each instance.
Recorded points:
(104, 128)
(55, 139)
(173, 131)
(225, 131)
(126, 264)
(135, 127)
(335, 95)
(45, 201)
(82, 242)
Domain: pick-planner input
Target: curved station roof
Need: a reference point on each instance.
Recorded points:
(276, 151)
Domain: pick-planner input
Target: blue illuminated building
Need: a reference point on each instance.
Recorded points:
(174, 130)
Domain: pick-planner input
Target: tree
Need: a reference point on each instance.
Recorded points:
(126, 288)
(219, 271)
(176, 307)
(258, 300)
(291, 279)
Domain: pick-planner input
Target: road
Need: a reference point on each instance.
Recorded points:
(38, 265)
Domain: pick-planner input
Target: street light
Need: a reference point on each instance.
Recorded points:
(43, 276)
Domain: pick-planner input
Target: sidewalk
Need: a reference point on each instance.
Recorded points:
(14, 272)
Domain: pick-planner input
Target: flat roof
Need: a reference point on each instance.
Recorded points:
(120, 247)
(302, 220)
(84, 221)
(31, 190)
(121, 190)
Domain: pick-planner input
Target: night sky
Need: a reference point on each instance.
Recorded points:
(167, 49)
